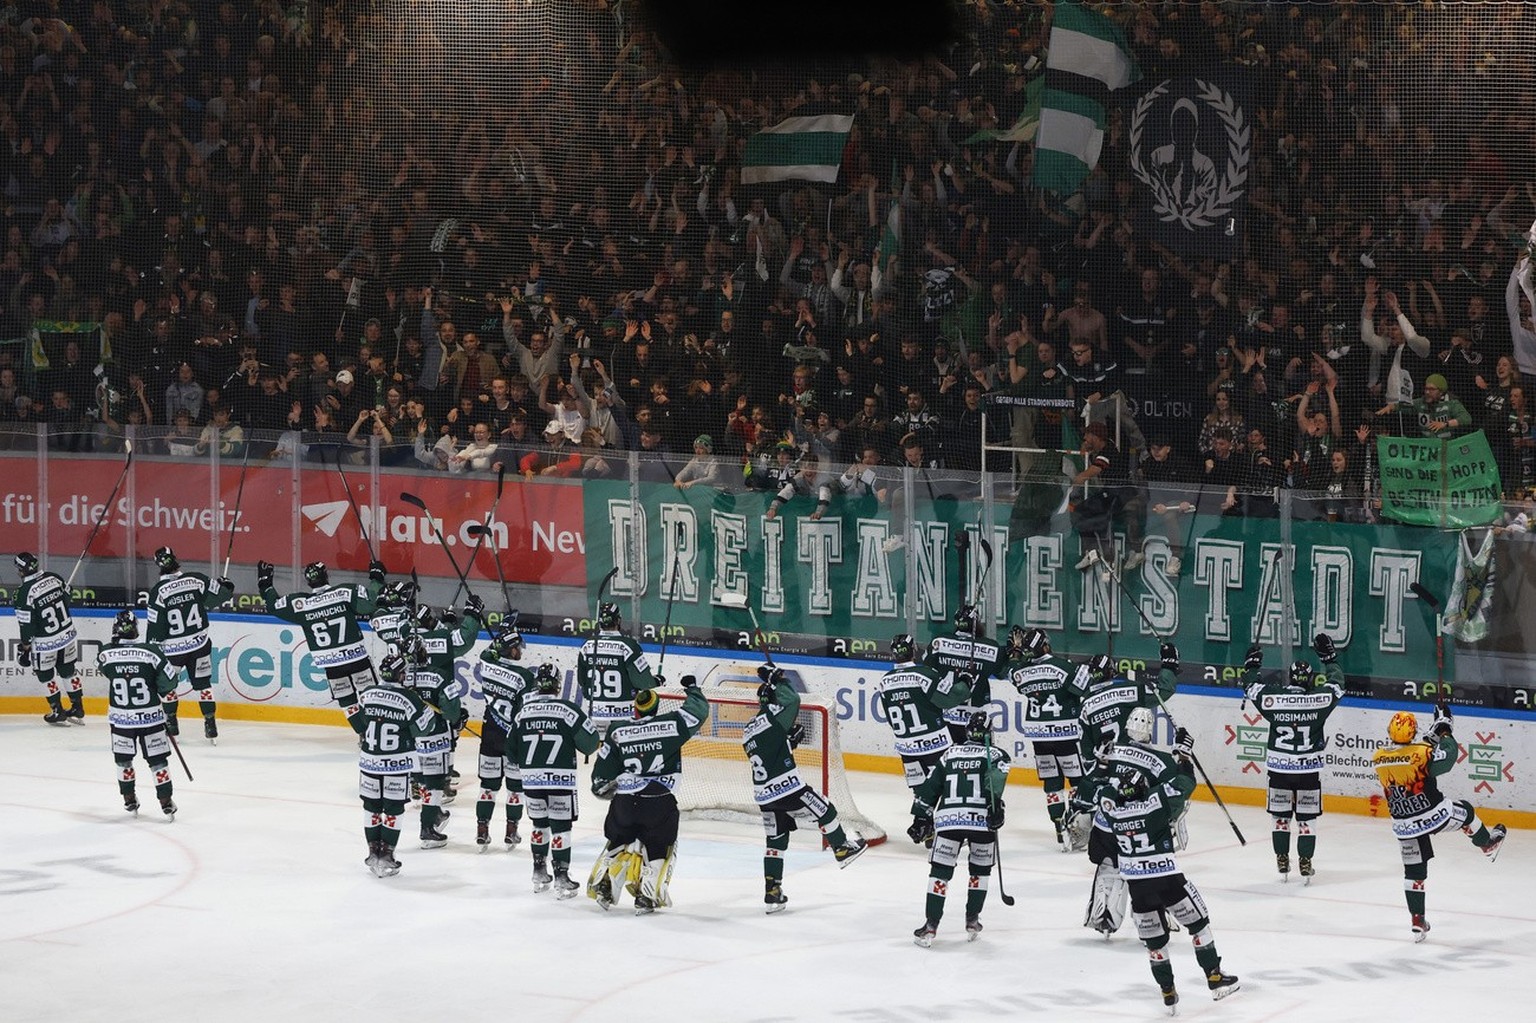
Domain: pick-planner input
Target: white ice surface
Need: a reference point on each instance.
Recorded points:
(255, 905)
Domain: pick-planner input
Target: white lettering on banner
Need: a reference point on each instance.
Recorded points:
(1391, 573)
(820, 545)
(1333, 587)
(773, 571)
(1271, 608)
(730, 532)
(550, 537)
(874, 594)
(1043, 606)
(680, 548)
(930, 544)
(626, 534)
(1098, 603)
(19, 508)
(1219, 568)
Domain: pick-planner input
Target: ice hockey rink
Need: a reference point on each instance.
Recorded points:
(254, 904)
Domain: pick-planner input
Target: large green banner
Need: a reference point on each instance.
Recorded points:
(842, 584)
(1431, 482)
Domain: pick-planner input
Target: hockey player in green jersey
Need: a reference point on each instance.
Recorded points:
(392, 614)
(639, 763)
(1140, 816)
(328, 615)
(964, 651)
(434, 743)
(504, 682)
(612, 670)
(546, 734)
(914, 698)
(1053, 688)
(49, 644)
(177, 607)
(782, 796)
(964, 796)
(446, 639)
(392, 720)
(138, 678)
(1297, 712)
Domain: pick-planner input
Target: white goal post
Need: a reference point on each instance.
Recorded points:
(717, 781)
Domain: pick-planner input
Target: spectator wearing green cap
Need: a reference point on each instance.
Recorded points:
(1439, 414)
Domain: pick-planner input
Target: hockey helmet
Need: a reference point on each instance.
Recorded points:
(392, 670)
(1033, 642)
(547, 678)
(608, 616)
(1403, 728)
(646, 702)
(978, 730)
(968, 619)
(903, 647)
(125, 626)
(425, 618)
(508, 643)
(26, 563)
(448, 617)
(414, 647)
(316, 574)
(1101, 667)
(392, 597)
(1301, 674)
(1132, 786)
(166, 561)
(1138, 727)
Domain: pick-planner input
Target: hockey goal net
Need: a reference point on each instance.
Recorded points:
(717, 781)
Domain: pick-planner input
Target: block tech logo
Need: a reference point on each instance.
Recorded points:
(326, 517)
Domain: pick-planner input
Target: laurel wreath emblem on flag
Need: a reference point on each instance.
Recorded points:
(1218, 203)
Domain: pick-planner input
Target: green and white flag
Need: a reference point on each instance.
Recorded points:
(1088, 58)
(804, 148)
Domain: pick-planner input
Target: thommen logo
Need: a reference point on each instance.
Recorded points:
(326, 517)
(1190, 184)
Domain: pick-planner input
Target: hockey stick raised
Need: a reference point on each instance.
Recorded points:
(234, 521)
(347, 489)
(105, 510)
(739, 601)
(484, 532)
(666, 629)
(1421, 591)
(418, 503)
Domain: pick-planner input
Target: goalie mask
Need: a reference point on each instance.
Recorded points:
(547, 679)
(1138, 727)
(26, 563)
(1403, 728)
(166, 561)
(125, 626)
(316, 574)
(903, 648)
(1301, 674)
(608, 616)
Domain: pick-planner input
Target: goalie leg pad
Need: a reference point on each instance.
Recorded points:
(1107, 902)
(945, 852)
(656, 878)
(1181, 830)
(604, 865)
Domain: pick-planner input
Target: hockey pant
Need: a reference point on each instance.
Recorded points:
(641, 834)
(1177, 897)
(155, 745)
(1299, 796)
(552, 814)
(384, 797)
(432, 765)
(346, 682)
(783, 815)
(1107, 897)
(1417, 852)
(494, 767)
(916, 771)
(941, 870)
(199, 667)
(1059, 764)
(62, 661)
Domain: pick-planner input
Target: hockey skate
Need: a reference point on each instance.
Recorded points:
(565, 888)
(1420, 927)
(774, 899)
(76, 712)
(168, 807)
(972, 928)
(602, 893)
(541, 878)
(846, 854)
(1304, 868)
(644, 905)
(1221, 984)
(923, 936)
(1283, 865)
(433, 837)
(483, 834)
(1495, 841)
(131, 804)
(211, 731)
(511, 838)
(57, 716)
(172, 726)
(1171, 999)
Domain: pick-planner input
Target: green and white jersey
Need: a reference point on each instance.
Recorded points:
(546, 734)
(1053, 688)
(178, 611)
(137, 676)
(1143, 833)
(1107, 705)
(328, 617)
(392, 720)
(1297, 719)
(766, 740)
(954, 652)
(42, 612)
(1158, 768)
(914, 698)
(611, 669)
(968, 779)
(429, 685)
(389, 624)
(446, 644)
(646, 756)
(504, 685)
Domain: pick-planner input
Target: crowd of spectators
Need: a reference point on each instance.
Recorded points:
(499, 234)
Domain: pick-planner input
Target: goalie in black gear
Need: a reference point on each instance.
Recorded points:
(964, 795)
(177, 607)
(781, 794)
(49, 644)
(138, 678)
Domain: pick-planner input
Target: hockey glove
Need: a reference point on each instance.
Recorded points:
(463, 719)
(24, 654)
(377, 572)
(996, 816)
(1255, 658)
(449, 618)
(796, 736)
(264, 573)
(1322, 644)
(1170, 655)
(224, 582)
(1441, 726)
(606, 789)
(688, 682)
(474, 608)
(1183, 743)
(920, 830)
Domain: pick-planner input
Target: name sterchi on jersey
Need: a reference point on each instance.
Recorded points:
(1297, 701)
